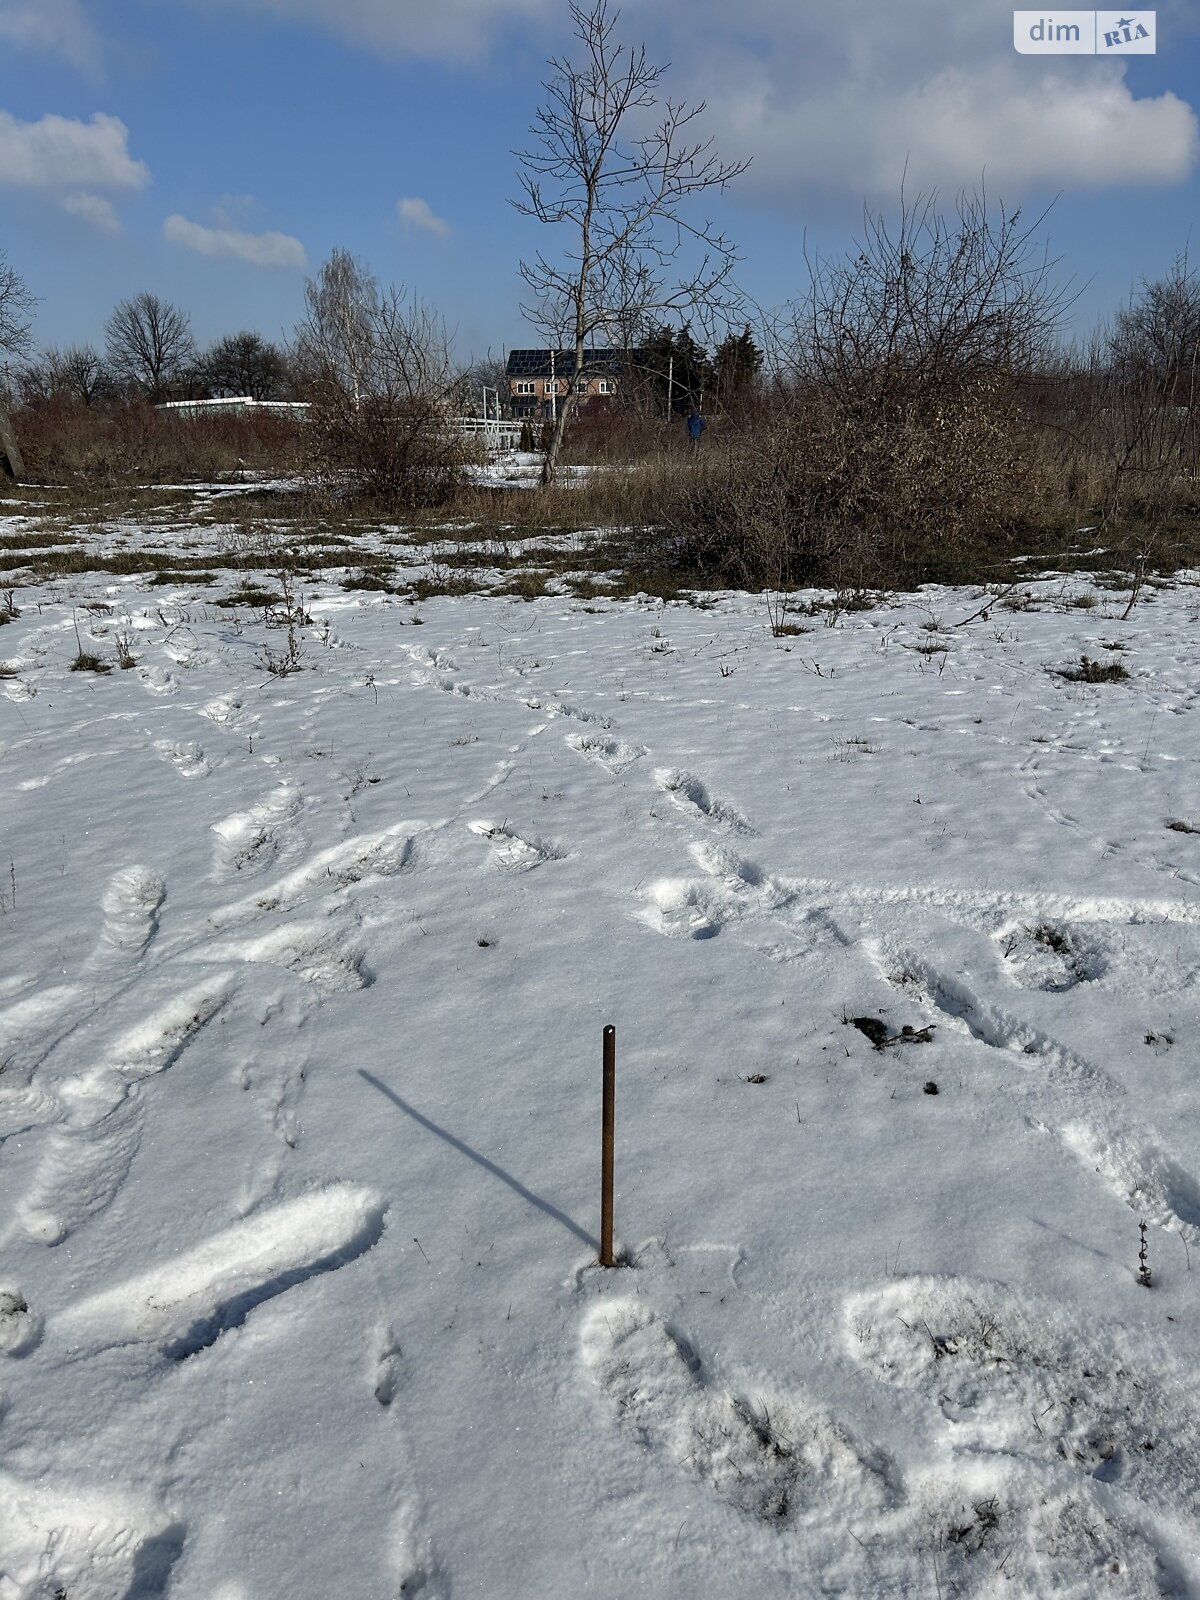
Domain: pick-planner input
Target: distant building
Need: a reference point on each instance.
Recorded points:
(537, 379)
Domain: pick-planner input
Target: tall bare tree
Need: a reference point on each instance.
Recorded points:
(615, 166)
(378, 369)
(149, 344)
(335, 340)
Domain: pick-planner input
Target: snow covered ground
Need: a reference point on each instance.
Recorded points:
(300, 1011)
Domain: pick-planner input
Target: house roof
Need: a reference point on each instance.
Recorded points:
(536, 363)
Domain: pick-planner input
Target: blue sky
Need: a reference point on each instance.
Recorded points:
(214, 151)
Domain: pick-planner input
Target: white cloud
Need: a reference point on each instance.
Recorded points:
(59, 26)
(64, 153)
(258, 249)
(417, 213)
(93, 209)
(1056, 130)
(842, 100)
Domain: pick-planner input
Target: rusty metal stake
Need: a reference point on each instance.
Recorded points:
(608, 1145)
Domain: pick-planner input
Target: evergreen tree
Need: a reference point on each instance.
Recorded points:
(736, 366)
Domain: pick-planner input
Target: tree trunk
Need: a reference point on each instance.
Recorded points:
(550, 464)
(10, 455)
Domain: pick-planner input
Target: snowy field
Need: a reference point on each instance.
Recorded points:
(300, 1013)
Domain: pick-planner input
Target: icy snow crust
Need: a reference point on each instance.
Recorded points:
(300, 1020)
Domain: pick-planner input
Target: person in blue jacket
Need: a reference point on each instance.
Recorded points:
(695, 427)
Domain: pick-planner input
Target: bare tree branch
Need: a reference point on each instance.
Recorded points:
(621, 195)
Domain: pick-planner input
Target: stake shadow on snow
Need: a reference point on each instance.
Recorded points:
(482, 1161)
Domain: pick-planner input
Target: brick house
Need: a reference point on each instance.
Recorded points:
(537, 378)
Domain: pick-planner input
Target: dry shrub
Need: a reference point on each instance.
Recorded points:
(818, 496)
(64, 441)
(400, 454)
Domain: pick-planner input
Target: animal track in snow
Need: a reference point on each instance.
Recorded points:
(415, 1568)
(223, 710)
(159, 680)
(437, 659)
(1140, 1172)
(1020, 1380)
(184, 1305)
(80, 1542)
(691, 793)
(512, 850)
(386, 1358)
(612, 754)
(784, 1464)
(248, 841)
(130, 903)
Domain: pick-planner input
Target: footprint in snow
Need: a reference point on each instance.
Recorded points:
(186, 756)
(249, 841)
(88, 1155)
(73, 1539)
(184, 1304)
(691, 794)
(781, 1462)
(612, 754)
(1015, 1376)
(1134, 1165)
(131, 903)
(512, 850)
(20, 1328)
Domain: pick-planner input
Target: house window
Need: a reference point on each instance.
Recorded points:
(553, 386)
(581, 386)
(526, 388)
(604, 386)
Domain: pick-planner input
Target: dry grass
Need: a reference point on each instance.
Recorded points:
(1089, 671)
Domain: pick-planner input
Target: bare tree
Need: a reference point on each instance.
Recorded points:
(615, 167)
(16, 315)
(79, 371)
(378, 369)
(244, 364)
(149, 344)
(930, 305)
(1158, 332)
(334, 342)
(16, 311)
